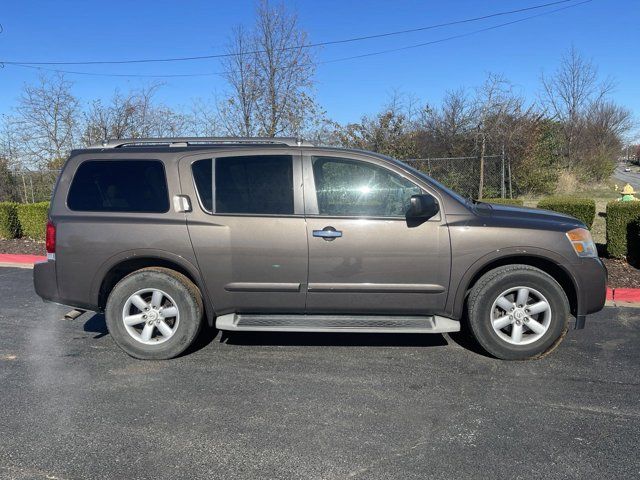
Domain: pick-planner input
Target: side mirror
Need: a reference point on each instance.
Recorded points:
(423, 206)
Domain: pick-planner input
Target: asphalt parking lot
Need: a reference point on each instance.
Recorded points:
(72, 405)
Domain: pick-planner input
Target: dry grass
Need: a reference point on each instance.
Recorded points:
(567, 183)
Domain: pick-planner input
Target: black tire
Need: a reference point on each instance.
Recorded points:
(187, 299)
(491, 285)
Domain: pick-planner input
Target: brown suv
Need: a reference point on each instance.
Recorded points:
(279, 235)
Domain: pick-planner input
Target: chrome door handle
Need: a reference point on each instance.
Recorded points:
(328, 233)
(181, 203)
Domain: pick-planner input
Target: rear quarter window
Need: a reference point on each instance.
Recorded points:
(202, 176)
(119, 186)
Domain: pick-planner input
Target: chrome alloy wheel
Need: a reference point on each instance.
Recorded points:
(150, 316)
(520, 315)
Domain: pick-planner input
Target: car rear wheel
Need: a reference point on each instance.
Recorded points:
(154, 313)
(517, 312)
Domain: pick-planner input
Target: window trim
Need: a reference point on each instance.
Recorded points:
(296, 159)
(311, 197)
(120, 212)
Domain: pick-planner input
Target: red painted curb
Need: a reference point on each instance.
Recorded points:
(626, 294)
(21, 259)
(609, 293)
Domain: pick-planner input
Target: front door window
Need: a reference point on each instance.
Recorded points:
(346, 187)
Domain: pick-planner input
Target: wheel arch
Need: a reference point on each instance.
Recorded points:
(118, 267)
(546, 263)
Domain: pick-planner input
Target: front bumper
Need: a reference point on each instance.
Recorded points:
(590, 277)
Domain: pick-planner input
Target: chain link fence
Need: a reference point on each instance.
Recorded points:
(461, 174)
(465, 174)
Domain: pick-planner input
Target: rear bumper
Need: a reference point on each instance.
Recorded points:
(45, 282)
(46, 285)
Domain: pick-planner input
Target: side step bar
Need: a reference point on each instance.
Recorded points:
(336, 323)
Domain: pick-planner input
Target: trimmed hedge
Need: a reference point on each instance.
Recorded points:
(584, 209)
(9, 225)
(33, 219)
(623, 229)
(516, 202)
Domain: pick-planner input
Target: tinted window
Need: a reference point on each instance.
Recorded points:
(260, 184)
(119, 186)
(202, 177)
(352, 188)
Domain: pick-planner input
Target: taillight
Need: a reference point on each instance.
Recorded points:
(51, 237)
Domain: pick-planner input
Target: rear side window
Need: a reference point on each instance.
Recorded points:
(260, 184)
(119, 186)
(202, 177)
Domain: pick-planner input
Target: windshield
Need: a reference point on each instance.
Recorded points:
(426, 177)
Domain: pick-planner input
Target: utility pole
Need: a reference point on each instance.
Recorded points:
(483, 147)
(24, 185)
(502, 192)
(510, 189)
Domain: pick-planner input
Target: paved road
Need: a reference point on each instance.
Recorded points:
(632, 178)
(310, 406)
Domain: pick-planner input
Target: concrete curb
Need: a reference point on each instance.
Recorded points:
(23, 261)
(16, 265)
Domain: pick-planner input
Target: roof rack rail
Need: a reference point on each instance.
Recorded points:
(203, 141)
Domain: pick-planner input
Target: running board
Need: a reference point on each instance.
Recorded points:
(336, 323)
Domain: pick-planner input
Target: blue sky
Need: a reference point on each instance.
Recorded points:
(608, 32)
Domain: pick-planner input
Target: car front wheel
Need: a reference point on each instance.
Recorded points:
(517, 312)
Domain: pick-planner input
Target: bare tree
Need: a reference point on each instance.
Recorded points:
(113, 120)
(391, 132)
(134, 114)
(495, 103)
(608, 122)
(575, 85)
(603, 128)
(204, 119)
(445, 129)
(46, 119)
(238, 110)
(9, 141)
(270, 73)
(8, 160)
(569, 94)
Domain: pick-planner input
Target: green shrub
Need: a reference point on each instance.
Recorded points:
(584, 209)
(9, 226)
(623, 229)
(33, 219)
(537, 170)
(505, 201)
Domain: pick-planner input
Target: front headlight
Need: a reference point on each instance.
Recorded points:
(582, 242)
